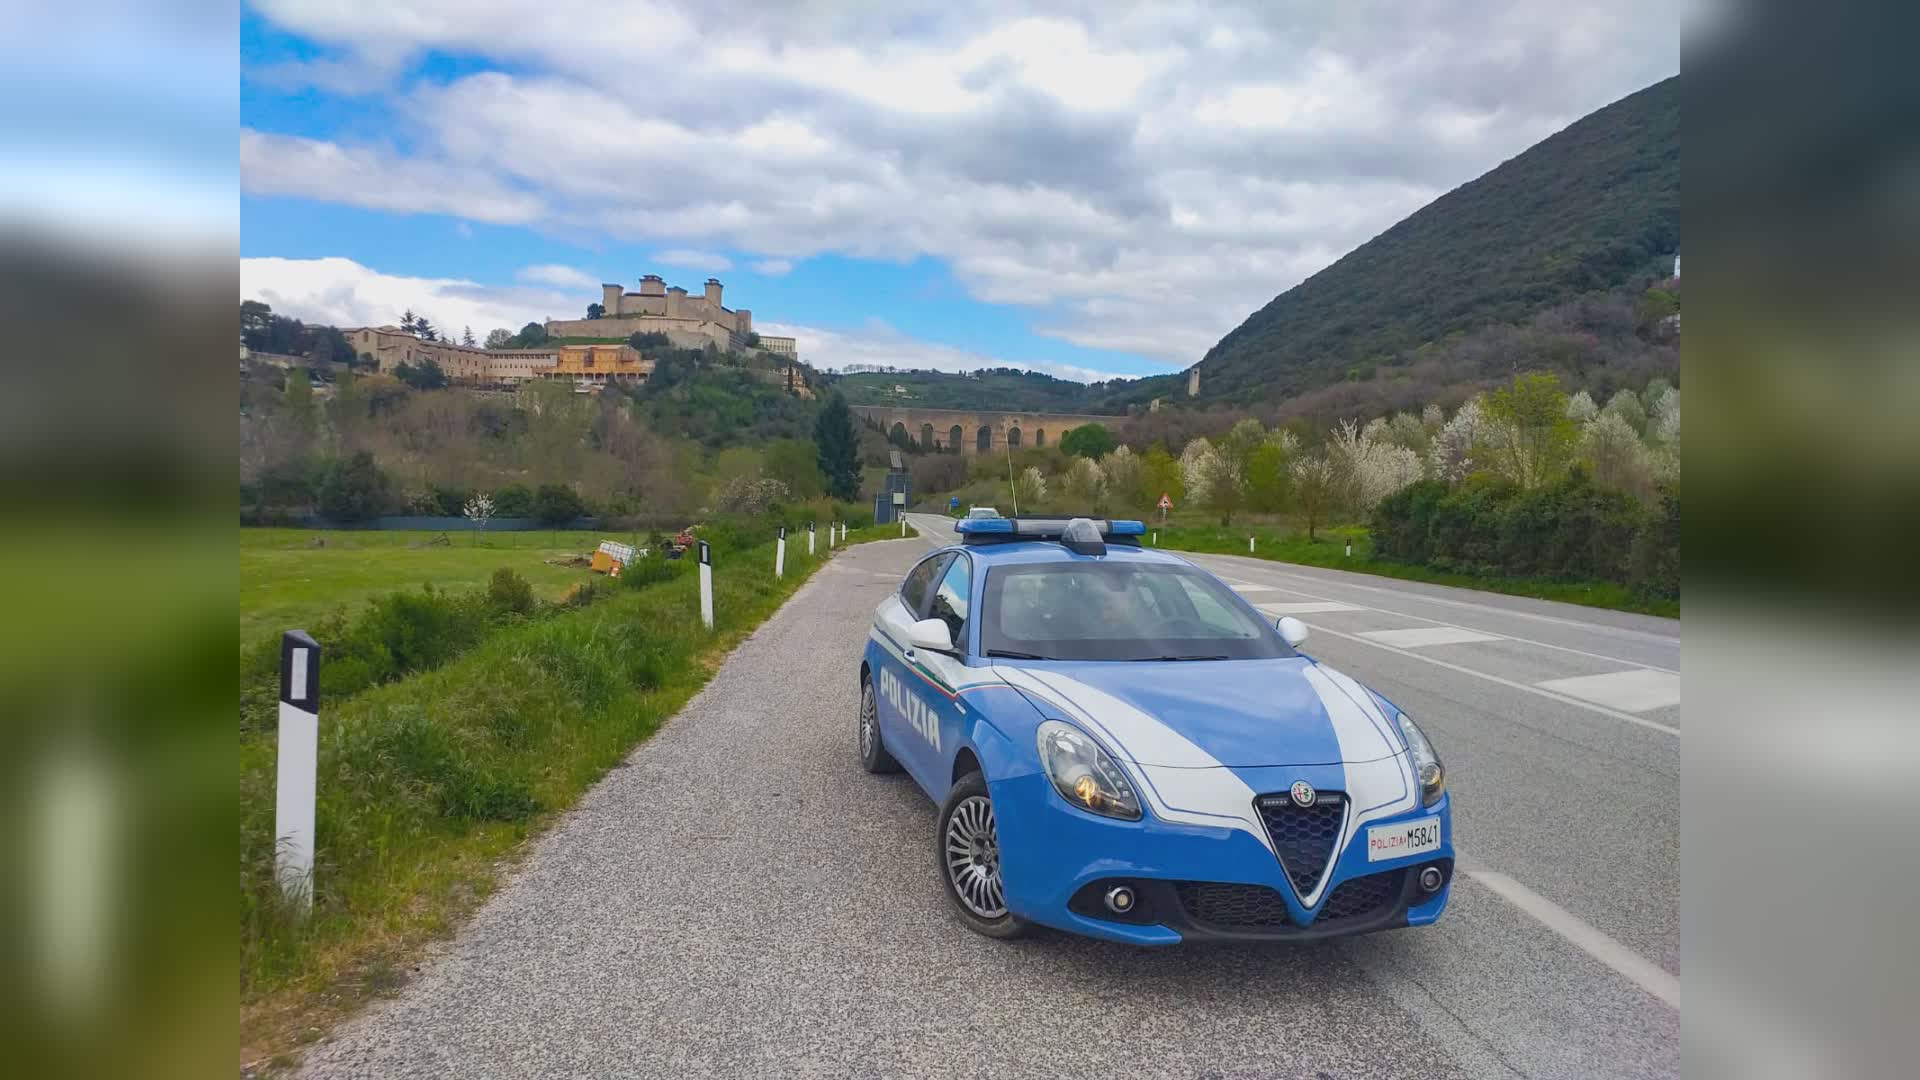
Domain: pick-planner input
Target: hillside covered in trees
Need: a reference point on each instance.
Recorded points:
(1594, 208)
(989, 388)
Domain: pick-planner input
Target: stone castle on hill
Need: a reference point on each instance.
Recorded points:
(689, 322)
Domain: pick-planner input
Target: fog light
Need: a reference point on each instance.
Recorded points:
(1120, 899)
(1431, 879)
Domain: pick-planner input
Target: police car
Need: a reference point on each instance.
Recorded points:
(1121, 746)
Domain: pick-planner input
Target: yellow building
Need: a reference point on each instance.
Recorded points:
(597, 365)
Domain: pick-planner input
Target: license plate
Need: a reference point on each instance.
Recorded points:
(1406, 838)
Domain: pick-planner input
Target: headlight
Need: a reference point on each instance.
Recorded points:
(1426, 763)
(1083, 774)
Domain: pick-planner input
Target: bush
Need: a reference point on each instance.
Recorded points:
(1568, 531)
(355, 489)
(514, 501)
(557, 504)
(510, 592)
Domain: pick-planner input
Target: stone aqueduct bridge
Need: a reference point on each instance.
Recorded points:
(980, 432)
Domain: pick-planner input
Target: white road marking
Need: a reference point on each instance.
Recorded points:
(1599, 627)
(1509, 637)
(1310, 608)
(1634, 691)
(1421, 636)
(1653, 725)
(1244, 587)
(1637, 969)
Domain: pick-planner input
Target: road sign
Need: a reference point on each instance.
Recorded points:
(1165, 503)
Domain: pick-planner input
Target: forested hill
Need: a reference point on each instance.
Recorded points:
(989, 388)
(1591, 208)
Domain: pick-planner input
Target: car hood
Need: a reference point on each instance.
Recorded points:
(1210, 713)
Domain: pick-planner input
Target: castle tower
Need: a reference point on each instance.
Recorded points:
(610, 298)
(651, 285)
(1193, 381)
(713, 293)
(675, 296)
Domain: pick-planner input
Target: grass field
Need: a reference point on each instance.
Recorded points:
(287, 581)
(431, 786)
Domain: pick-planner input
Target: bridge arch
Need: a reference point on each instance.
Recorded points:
(1013, 437)
(926, 437)
(956, 439)
(899, 432)
(983, 439)
(1040, 437)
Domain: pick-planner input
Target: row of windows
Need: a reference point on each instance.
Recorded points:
(983, 438)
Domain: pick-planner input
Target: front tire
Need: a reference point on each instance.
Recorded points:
(967, 847)
(873, 752)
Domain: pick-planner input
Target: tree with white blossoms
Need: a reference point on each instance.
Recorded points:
(479, 510)
(1432, 417)
(1408, 430)
(1368, 468)
(1313, 488)
(1197, 467)
(1626, 405)
(1614, 454)
(1123, 472)
(1663, 422)
(1580, 408)
(1086, 483)
(1030, 486)
(1451, 457)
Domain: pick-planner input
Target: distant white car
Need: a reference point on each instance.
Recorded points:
(977, 512)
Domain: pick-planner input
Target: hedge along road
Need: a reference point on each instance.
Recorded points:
(742, 900)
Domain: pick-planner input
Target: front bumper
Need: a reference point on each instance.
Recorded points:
(1058, 862)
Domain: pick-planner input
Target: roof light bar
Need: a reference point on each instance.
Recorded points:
(1047, 528)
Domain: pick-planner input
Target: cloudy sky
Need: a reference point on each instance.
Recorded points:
(1083, 188)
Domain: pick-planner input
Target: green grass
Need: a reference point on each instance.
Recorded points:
(430, 785)
(1282, 544)
(286, 582)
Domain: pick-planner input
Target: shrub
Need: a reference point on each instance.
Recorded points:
(355, 489)
(514, 501)
(557, 504)
(510, 592)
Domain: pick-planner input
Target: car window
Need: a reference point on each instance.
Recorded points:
(950, 600)
(1119, 611)
(919, 582)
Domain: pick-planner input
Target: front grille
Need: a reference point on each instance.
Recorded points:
(1303, 837)
(1227, 905)
(1357, 898)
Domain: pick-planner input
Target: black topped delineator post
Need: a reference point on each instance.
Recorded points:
(298, 763)
(780, 554)
(706, 584)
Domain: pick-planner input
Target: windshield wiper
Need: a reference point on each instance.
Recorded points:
(1012, 655)
(1147, 658)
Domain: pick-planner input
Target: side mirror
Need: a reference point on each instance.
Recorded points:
(1292, 629)
(931, 635)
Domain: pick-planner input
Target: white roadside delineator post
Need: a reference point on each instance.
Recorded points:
(1349, 547)
(903, 524)
(706, 584)
(780, 554)
(843, 532)
(1249, 545)
(809, 539)
(830, 529)
(299, 763)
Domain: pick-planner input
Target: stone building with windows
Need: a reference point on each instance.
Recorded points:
(688, 321)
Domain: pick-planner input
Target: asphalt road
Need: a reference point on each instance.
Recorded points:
(740, 899)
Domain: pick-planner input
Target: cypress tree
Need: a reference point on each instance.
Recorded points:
(838, 445)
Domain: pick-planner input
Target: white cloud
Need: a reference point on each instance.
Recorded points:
(1140, 177)
(566, 277)
(774, 267)
(688, 259)
(344, 293)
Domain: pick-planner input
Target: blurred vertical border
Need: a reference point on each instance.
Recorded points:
(119, 227)
(1802, 744)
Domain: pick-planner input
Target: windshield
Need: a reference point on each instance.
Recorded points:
(1119, 611)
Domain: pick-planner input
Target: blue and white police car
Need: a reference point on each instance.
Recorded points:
(1121, 746)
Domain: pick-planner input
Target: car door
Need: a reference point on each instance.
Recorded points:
(902, 691)
(954, 715)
